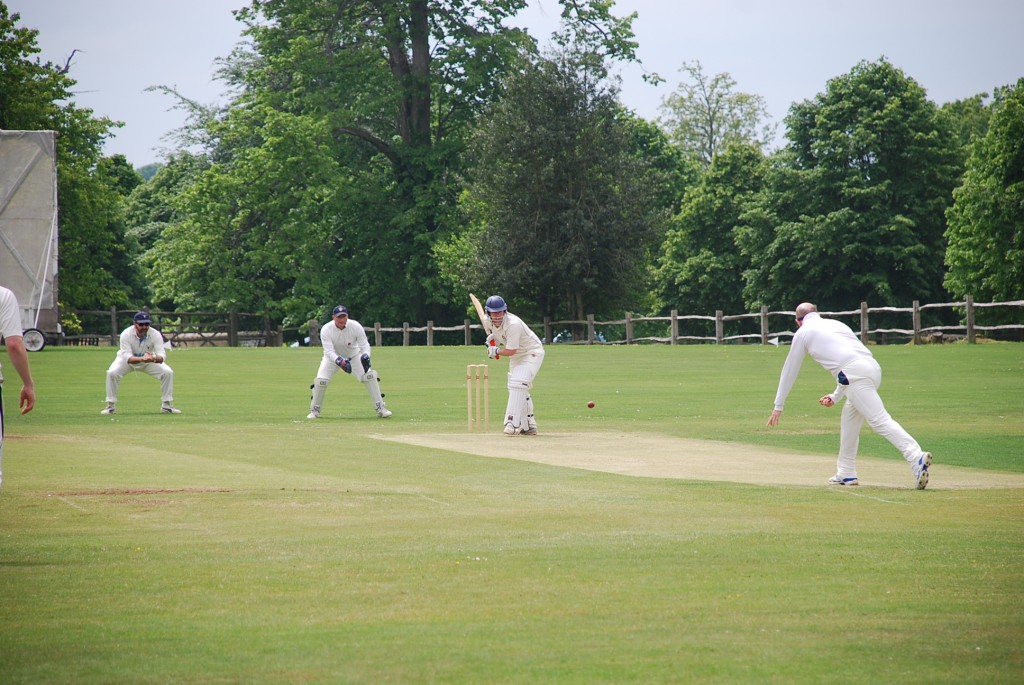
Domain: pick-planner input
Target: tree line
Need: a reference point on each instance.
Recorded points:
(396, 156)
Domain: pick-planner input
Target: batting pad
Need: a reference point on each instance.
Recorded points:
(515, 412)
(319, 390)
(373, 387)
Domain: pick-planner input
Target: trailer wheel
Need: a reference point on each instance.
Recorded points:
(34, 339)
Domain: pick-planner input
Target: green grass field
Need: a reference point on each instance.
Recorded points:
(240, 543)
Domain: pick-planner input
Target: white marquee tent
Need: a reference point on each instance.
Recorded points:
(28, 230)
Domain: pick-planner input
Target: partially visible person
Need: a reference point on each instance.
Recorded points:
(141, 348)
(346, 348)
(10, 330)
(525, 353)
(833, 345)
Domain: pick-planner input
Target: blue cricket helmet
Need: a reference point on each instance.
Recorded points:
(495, 303)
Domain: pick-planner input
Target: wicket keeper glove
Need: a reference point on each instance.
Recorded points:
(345, 364)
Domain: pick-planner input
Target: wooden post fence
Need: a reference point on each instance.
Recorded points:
(917, 322)
(237, 328)
(233, 328)
(114, 333)
(970, 319)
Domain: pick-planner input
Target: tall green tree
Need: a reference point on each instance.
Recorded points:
(381, 97)
(986, 222)
(95, 261)
(567, 210)
(706, 113)
(153, 205)
(151, 208)
(679, 171)
(700, 266)
(854, 208)
(272, 220)
(968, 118)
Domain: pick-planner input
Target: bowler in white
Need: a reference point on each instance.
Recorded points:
(833, 345)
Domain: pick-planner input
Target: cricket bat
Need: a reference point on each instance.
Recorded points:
(485, 320)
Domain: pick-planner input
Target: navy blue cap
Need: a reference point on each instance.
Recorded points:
(339, 310)
(143, 317)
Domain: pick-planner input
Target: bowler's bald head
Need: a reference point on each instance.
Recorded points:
(804, 308)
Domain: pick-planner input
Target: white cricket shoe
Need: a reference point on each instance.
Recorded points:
(839, 480)
(109, 409)
(169, 408)
(383, 412)
(313, 415)
(920, 469)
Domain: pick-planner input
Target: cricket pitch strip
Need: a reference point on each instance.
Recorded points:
(662, 456)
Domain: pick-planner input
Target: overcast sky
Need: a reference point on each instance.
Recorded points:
(782, 50)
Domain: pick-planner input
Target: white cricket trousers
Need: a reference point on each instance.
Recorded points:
(525, 368)
(1, 432)
(522, 370)
(121, 368)
(864, 404)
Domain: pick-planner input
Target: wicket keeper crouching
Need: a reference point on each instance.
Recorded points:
(345, 348)
(513, 338)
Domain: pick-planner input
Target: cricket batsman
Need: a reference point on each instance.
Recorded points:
(346, 348)
(525, 353)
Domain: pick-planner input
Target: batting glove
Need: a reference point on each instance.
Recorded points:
(492, 351)
(345, 364)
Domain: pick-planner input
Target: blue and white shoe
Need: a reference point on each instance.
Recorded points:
(920, 469)
(839, 480)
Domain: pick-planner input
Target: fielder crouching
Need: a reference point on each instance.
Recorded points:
(141, 348)
(510, 337)
(346, 348)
